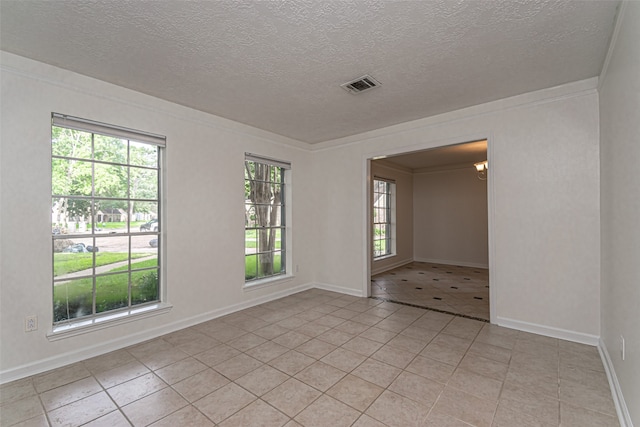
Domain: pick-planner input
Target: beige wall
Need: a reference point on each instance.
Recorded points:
(404, 216)
(620, 152)
(450, 220)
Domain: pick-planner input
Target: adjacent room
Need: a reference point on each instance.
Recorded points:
(312, 213)
(433, 229)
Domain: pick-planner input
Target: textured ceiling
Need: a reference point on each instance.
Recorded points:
(277, 65)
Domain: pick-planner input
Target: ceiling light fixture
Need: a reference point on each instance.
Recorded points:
(482, 168)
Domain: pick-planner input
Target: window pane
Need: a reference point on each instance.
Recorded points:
(70, 215)
(72, 258)
(112, 292)
(143, 183)
(268, 264)
(144, 217)
(143, 154)
(250, 267)
(250, 241)
(250, 216)
(144, 286)
(279, 236)
(70, 143)
(112, 254)
(145, 248)
(110, 149)
(110, 181)
(72, 299)
(70, 177)
(110, 216)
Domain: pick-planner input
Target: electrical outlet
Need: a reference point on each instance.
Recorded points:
(297, 268)
(622, 349)
(30, 323)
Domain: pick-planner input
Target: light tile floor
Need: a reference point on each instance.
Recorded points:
(453, 289)
(319, 358)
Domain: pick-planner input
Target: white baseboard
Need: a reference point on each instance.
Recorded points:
(339, 289)
(64, 359)
(618, 399)
(549, 331)
(450, 262)
(388, 267)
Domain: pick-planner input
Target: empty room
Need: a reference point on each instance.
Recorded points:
(140, 140)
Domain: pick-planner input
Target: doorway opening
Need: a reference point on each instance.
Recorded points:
(437, 226)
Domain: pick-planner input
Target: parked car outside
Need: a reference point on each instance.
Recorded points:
(150, 226)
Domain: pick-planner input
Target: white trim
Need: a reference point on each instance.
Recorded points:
(491, 249)
(266, 282)
(450, 262)
(138, 337)
(624, 417)
(549, 331)
(443, 168)
(612, 43)
(389, 266)
(367, 224)
(339, 289)
(77, 327)
(387, 164)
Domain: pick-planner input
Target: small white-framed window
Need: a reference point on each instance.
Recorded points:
(106, 187)
(383, 217)
(266, 222)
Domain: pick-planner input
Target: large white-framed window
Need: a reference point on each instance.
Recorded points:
(265, 233)
(383, 217)
(106, 202)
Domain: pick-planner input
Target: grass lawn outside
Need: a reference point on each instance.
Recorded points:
(251, 266)
(65, 263)
(75, 298)
(251, 240)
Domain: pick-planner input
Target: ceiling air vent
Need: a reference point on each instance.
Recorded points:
(360, 84)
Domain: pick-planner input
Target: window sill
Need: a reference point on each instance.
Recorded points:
(383, 257)
(84, 326)
(271, 281)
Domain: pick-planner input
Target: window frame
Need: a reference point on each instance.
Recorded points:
(284, 226)
(70, 326)
(388, 222)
